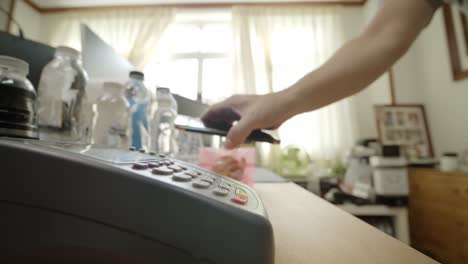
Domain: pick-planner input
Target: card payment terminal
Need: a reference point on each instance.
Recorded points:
(77, 201)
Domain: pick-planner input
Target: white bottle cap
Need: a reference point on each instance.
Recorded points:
(14, 64)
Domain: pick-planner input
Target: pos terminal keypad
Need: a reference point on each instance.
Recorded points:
(126, 202)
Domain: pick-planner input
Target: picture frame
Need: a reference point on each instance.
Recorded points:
(405, 125)
(456, 25)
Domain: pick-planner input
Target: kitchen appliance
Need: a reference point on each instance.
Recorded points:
(66, 202)
(390, 179)
(358, 176)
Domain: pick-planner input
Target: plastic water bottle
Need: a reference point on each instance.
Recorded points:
(112, 126)
(162, 128)
(139, 98)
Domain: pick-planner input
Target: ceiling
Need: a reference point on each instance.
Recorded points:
(86, 3)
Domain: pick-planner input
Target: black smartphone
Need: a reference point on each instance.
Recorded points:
(195, 125)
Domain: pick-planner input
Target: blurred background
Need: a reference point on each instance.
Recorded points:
(206, 51)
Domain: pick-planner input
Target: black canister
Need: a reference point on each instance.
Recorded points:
(17, 100)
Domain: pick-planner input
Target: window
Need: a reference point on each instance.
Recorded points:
(194, 58)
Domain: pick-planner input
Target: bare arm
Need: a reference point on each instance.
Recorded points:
(352, 68)
(362, 60)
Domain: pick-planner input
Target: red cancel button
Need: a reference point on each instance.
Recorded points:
(240, 200)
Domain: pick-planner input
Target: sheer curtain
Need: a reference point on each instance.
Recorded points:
(276, 46)
(134, 32)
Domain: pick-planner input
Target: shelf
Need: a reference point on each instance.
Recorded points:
(399, 216)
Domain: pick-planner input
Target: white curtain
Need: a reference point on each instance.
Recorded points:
(276, 46)
(134, 32)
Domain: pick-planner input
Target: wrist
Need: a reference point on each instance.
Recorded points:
(288, 103)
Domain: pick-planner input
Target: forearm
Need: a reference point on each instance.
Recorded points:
(351, 69)
(359, 62)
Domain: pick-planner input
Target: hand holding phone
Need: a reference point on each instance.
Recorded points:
(195, 125)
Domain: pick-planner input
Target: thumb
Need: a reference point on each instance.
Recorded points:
(238, 133)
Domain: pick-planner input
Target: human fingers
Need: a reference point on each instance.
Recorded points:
(220, 117)
(239, 132)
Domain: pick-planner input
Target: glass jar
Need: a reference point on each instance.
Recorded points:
(64, 112)
(17, 100)
(112, 126)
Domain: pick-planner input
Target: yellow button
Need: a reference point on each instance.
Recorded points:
(241, 192)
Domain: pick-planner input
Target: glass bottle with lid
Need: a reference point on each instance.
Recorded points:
(64, 113)
(112, 126)
(17, 100)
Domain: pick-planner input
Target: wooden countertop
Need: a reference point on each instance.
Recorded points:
(310, 230)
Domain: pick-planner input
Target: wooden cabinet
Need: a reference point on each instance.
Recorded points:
(438, 214)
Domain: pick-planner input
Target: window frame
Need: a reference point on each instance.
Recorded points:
(200, 56)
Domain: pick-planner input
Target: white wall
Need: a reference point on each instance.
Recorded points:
(446, 100)
(5, 5)
(423, 75)
(29, 19)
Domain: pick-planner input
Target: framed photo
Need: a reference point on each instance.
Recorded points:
(405, 126)
(456, 25)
